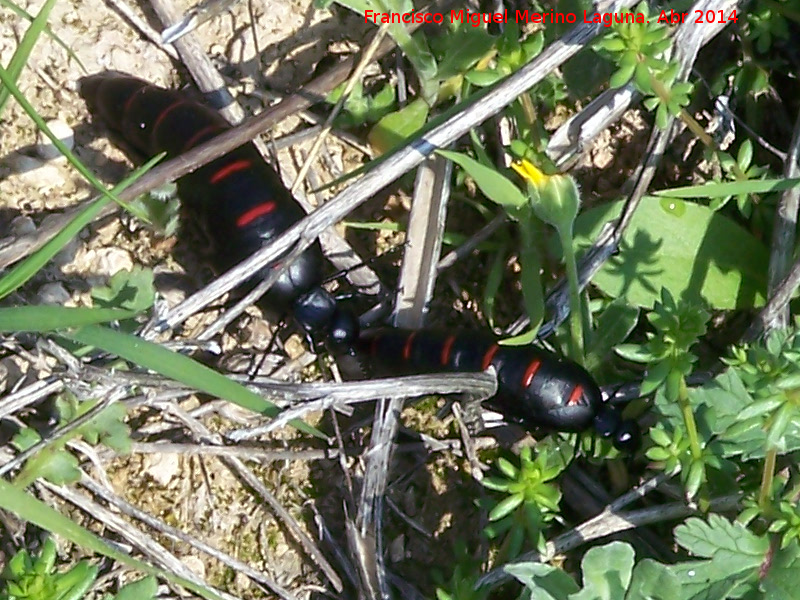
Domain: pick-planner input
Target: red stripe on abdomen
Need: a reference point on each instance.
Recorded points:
(257, 211)
(446, 350)
(530, 372)
(230, 169)
(200, 135)
(577, 393)
(487, 358)
(407, 347)
(165, 112)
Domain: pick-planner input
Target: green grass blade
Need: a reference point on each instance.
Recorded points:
(23, 51)
(33, 510)
(31, 265)
(731, 188)
(179, 368)
(41, 319)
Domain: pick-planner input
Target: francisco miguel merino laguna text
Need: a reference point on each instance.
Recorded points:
(477, 18)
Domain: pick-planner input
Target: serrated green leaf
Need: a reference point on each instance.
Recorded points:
(721, 539)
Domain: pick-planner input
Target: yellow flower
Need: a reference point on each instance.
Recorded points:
(554, 198)
(529, 172)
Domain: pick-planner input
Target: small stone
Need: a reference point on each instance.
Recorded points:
(22, 225)
(54, 294)
(110, 261)
(22, 163)
(195, 565)
(397, 549)
(162, 467)
(45, 148)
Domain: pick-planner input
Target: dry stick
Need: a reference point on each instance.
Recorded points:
(144, 543)
(784, 230)
(29, 394)
(208, 79)
(353, 80)
(151, 34)
(686, 45)
(255, 484)
(423, 245)
(452, 257)
(365, 535)
(476, 386)
(163, 528)
(401, 161)
(573, 137)
(777, 303)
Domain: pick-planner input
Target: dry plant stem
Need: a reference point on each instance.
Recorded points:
(587, 497)
(784, 229)
(777, 303)
(255, 484)
(452, 257)
(151, 34)
(475, 111)
(30, 394)
(423, 242)
(608, 523)
(162, 528)
(355, 77)
(366, 533)
(574, 136)
(133, 536)
(477, 386)
(194, 57)
(687, 44)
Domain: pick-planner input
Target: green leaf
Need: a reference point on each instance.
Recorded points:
(144, 589)
(393, 129)
(51, 318)
(483, 78)
(131, 290)
(494, 185)
(464, 48)
(731, 188)
(606, 572)
(613, 327)
(538, 578)
(653, 581)
(719, 538)
(697, 254)
(780, 580)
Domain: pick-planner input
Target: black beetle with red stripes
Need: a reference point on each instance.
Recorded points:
(240, 201)
(534, 387)
(237, 199)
